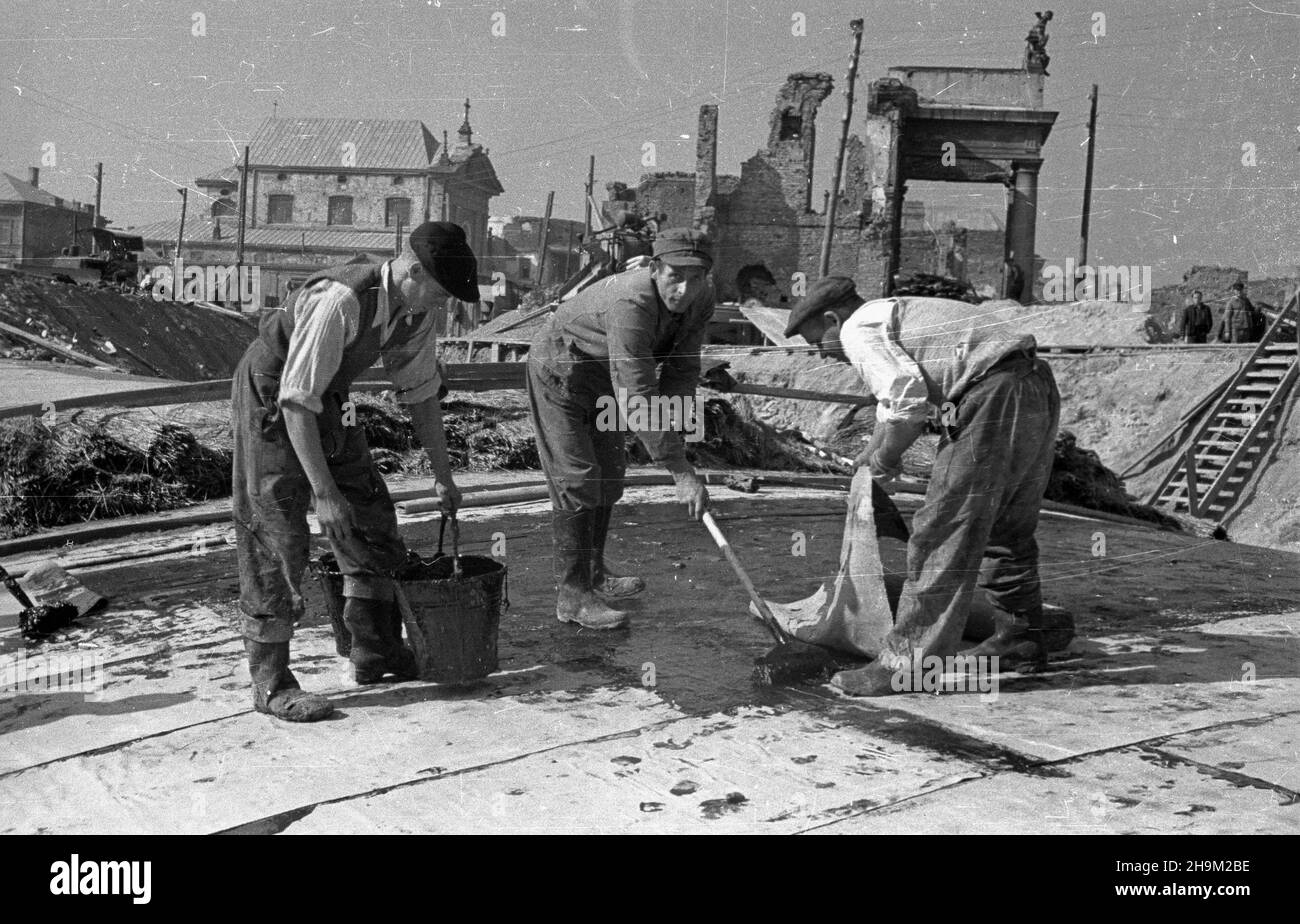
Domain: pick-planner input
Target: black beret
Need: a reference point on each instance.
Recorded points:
(825, 294)
(442, 249)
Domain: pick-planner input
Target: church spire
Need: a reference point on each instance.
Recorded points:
(466, 133)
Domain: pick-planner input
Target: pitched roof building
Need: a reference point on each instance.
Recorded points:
(35, 223)
(322, 190)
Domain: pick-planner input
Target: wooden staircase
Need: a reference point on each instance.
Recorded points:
(1225, 455)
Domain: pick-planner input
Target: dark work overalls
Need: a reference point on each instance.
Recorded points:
(271, 493)
(615, 334)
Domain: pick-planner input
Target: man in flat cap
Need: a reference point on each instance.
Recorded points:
(968, 371)
(625, 341)
(297, 442)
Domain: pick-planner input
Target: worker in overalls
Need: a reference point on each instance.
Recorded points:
(296, 441)
(970, 372)
(624, 341)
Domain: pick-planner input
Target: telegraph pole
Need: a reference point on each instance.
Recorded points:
(591, 188)
(99, 190)
(833, 202)
(546, 233)
(1087, 190)
(180, 233)
(243, 213)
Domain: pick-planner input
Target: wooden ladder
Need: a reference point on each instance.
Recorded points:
(1229, 448)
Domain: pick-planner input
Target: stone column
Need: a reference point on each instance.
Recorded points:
(1022, 216)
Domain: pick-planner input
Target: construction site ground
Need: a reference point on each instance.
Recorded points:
(1175, 710)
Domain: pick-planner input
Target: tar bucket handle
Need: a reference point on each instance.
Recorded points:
(455, 541)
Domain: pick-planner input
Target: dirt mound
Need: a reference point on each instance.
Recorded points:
(79, 470)
(1080, 478)
(136, 334)
(1122, 405)
(1270, 515)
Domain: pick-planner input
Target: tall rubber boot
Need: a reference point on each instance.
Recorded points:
(275, 689)
(375, 650)
(604, 581)
(575, 602)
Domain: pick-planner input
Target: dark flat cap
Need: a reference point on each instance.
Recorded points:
(684, 247)
(442, 249)
(825, 294)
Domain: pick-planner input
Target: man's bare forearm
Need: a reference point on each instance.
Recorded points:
(304, 434)
(427, 419)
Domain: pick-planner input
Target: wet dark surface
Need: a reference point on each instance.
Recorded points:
(693, 643)
(691, 637)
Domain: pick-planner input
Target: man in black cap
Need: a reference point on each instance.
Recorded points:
(296, 440)
(965, 369)
(603, 349)
(1241, 321)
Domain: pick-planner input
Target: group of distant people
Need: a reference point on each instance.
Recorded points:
(1241, 321)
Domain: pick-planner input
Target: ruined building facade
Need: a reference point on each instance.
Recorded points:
(962, 125)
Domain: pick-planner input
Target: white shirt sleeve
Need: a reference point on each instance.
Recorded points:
(327, 318)
(870, 338)
(413, 368)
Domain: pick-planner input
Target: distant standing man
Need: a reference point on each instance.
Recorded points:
(1013, 279)
(1197, 321)
(296, 440)
(934, 359)
(608, 341)
(1238, 324)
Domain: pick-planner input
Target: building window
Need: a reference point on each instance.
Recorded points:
(282, 176)
(791, 126)
(342, 178)
(399, 180)
(340, 210)
(525, 268)
(8, 231)
(279, 210)
(397, 211)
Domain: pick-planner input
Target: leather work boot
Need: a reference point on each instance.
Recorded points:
(375, 650)
(575, 601)
(1015, 640)
(604, 581)
(275, 689)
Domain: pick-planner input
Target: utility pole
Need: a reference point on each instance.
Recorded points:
(180, 233)
(833, 202)
(1087, 190)
(585, 255)
(546, 232)
(243, 215)
(99, 190)
(591, 188)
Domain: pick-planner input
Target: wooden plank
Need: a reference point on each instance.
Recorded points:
(471, 377)
(53, 347)
(801, 394)
(186, 393)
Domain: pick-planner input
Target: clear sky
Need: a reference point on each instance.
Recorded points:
(1188, 91)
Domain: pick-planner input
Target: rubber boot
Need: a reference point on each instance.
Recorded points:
(375, 651)
(575, 601)
(603, 581)
(275, 689)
